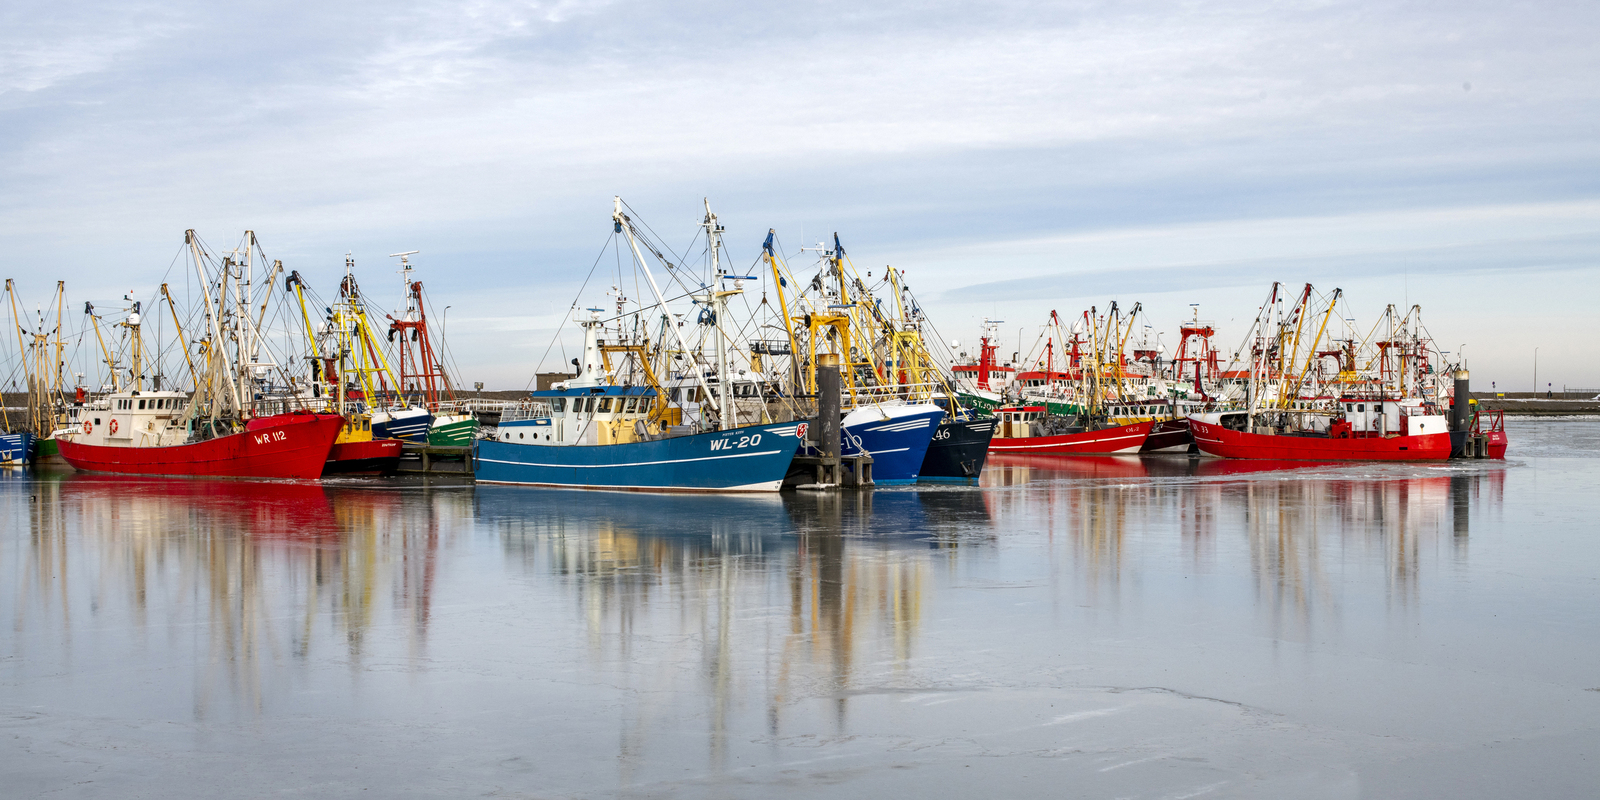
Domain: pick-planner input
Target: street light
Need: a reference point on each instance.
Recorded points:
(1535, 372)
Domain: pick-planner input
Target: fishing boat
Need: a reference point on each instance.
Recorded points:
(981, 383)
(891, 420)
(1031, 429)
(336, 371)
(958, 451)
(16, 449)
(293, 445)
(594, 436)
(423, 379)
(1387, 410)
(39, 346)
(1420, 437)
(219, 430)
(595, 431)
(356, 451)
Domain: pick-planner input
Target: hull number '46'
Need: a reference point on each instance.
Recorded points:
(270, 436)
(734, 444)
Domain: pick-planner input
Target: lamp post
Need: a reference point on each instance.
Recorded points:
(1535, 372)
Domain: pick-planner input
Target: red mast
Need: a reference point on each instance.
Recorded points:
(421, 372)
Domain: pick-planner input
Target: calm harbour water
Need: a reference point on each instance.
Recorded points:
(1165, 628)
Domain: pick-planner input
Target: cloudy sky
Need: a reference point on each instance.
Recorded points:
(1013, 157)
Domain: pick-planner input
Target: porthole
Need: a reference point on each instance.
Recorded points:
(519, 436)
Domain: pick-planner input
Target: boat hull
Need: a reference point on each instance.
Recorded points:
(459, 433)
(375, 457)
(280, 446)
(410, 424)
(16, 449)
(46, 452)
(1498, 441)
(1169, 436)
(957, 452)
(1215, 440)
(753, 458)
(897, 438)
(1115, 440)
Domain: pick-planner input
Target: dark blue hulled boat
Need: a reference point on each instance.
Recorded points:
(959, 449)
(895, 434)
(409, 423)
(16, 449)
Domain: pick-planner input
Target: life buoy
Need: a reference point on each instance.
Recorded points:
(88, 427)
(113, 424)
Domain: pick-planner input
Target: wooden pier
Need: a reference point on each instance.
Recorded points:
(427, 459)
(828, 472)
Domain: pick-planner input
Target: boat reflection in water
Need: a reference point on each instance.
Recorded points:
(240, 580)
(818, 593)
(417, 638)
(1297, 517)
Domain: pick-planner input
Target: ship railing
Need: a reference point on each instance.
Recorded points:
(896, 392)
(513, 410)
(474, 406)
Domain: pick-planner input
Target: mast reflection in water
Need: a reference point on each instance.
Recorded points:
(1122, 626)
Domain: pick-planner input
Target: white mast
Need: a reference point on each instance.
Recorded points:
(624, 225)
(212, 312)
(719, 305)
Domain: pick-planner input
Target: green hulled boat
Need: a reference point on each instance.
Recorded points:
(452, 430)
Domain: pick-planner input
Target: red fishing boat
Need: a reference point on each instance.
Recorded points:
(372, 457)
(293, 445)
(1228, 435)
(1029, 429)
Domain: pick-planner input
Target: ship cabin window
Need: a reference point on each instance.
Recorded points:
(559, 405)
(605, 405)
(1361, 406)
(633, 405)
(141, 405)
(677, 395)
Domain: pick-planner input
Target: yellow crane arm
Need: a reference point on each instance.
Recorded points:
(194, 374)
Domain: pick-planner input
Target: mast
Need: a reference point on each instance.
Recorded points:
(783, 305)
(21, 351)
(178, 324)
(135, 342)
(61, 295)
(625, 226)
(212, 312)
(719, 307)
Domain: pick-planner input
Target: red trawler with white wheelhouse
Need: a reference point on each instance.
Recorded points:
(1367, 431)
(237, 424)
(142, 433)
(1029, 429)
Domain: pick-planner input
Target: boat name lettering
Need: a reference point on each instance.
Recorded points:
(734, 444)
(271, 436)
(942, 434)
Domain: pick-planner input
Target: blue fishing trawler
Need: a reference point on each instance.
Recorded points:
(597, 438)
(592, 435)
(597, 432)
